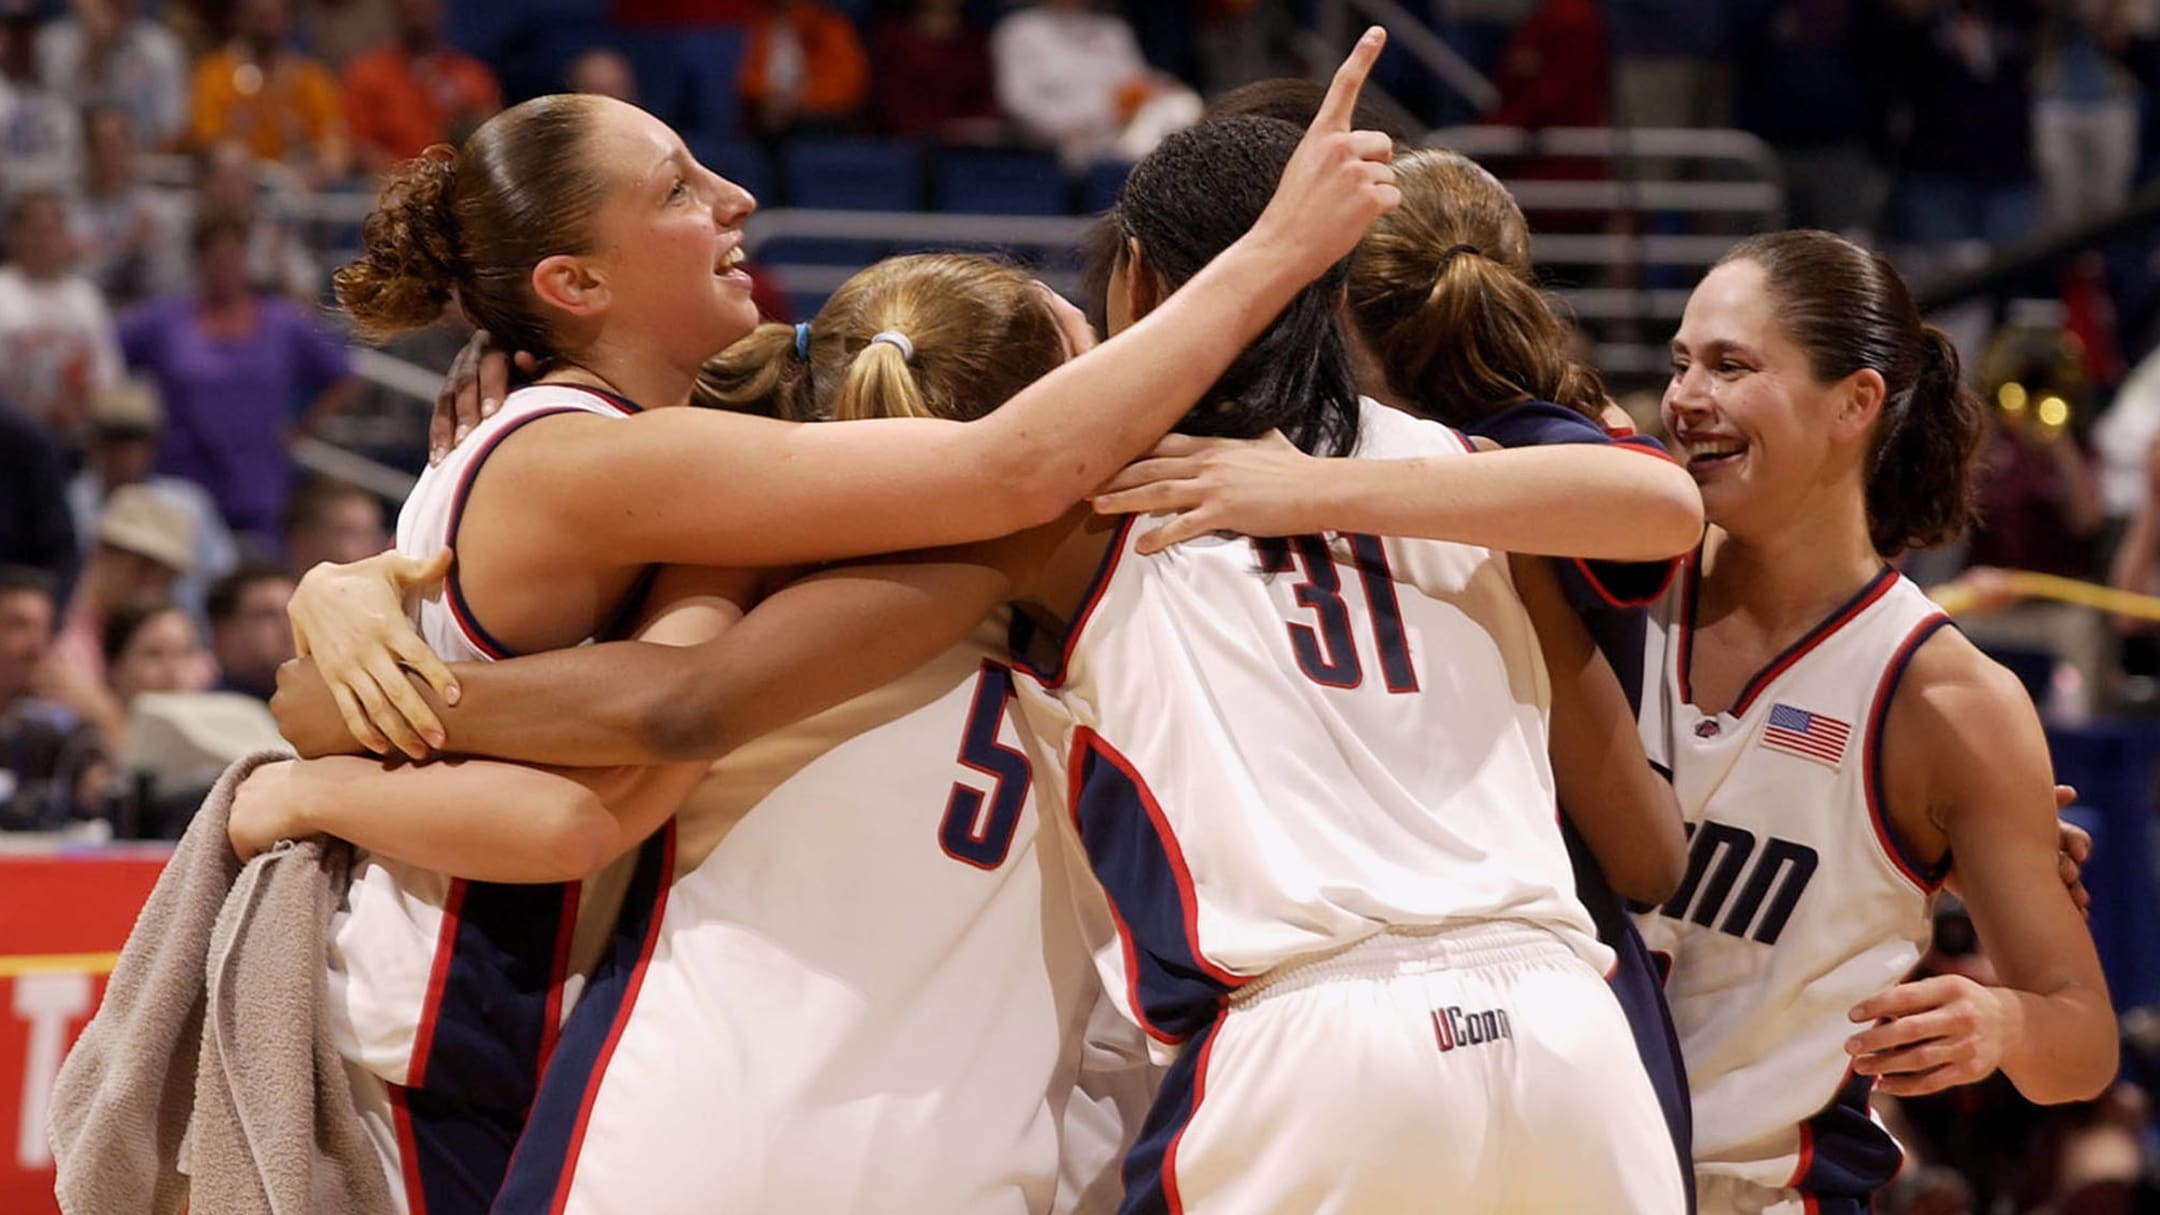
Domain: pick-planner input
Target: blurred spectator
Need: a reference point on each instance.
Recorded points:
(2040, 510)
(51, 762)
(106, 52)
(1671, 62)
(1807, 89)
(2085, 116)
(56, 336)
(249, 635)
(240, 373)
(339, 31)
(1966, 68)
(124, 422)
(34, 532)
(153, 646)
(933, 72)
(132, 234)
(278, 259)
(603, 70)
(40, 129)
(803, 67)
(1074, 78)
(1554, 70)
(283, 105)
(416, 91)
(144, 545)
(1234, 39)
(329, 520)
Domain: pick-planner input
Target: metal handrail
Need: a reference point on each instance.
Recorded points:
(1662, 143)
(1413, 35)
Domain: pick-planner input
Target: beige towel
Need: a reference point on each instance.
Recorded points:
(250, 1102)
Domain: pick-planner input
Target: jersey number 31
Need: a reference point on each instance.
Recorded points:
(1325, 650)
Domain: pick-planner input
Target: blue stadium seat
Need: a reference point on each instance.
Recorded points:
(1001, 181)
(738, 160)
(846, 175)
(711, 58)
(853, 174)
(1099, 188)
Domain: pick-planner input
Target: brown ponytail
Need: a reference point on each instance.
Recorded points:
(408, 260)
(469, 225)
(1923, 485)
(981, 331)
(1442, 296)
(1848, 310)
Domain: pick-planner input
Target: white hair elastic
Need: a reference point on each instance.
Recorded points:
(897, 339)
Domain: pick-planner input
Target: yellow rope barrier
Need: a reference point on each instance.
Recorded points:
(58, 963)
(1958, 599)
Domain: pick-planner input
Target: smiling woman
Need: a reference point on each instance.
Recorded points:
(1832, 743)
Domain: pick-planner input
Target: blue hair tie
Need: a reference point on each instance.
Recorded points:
(802, 340)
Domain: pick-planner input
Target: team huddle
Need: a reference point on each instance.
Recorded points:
(1294, 755)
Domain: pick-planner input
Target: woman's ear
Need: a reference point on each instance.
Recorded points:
(1144, 290)
(1860, 403)
(572, 285)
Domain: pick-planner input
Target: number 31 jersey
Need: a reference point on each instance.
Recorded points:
(1271, 749)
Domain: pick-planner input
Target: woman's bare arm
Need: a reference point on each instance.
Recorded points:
(1966, 727)
(698, 487)
(1624, 810)
(497, 821)
(1572, 500)
(806, 647)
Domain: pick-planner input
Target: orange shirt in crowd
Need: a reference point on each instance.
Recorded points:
(398, 104)
(836, 73)
(279, 114)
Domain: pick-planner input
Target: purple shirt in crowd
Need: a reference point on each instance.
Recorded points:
(229, 402)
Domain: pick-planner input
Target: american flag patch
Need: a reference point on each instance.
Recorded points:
(1807, 735)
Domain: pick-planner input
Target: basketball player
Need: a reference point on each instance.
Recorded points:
(1835, 746)
(1447, 324)
(580, 229)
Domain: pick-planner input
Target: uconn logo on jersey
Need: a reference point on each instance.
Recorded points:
(1714, 895)
(1452, 1027)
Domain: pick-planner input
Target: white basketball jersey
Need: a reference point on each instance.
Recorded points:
(389, 945)
(1277, 748)
(870, 995)
(1797, 903)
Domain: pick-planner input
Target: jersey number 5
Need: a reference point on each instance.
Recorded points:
(978, 829)
(1327, 653)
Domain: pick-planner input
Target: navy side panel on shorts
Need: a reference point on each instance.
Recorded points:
(546, 1160)
(484, 1037)
(1151, 1166)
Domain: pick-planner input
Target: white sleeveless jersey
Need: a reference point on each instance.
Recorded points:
(1797, 903)
(1277, 748)
(400, 988)
(870, 995)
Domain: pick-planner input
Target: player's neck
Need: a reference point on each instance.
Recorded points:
(1786, 579)
(648, 382)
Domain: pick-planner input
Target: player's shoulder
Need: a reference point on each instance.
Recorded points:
(1968, 712)
(1385, 432)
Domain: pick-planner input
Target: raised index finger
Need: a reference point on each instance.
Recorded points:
(1342, 95)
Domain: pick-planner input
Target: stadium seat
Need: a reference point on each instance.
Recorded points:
(1001, 181)
(1099, 187)
(853, 174)
(738, 160)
